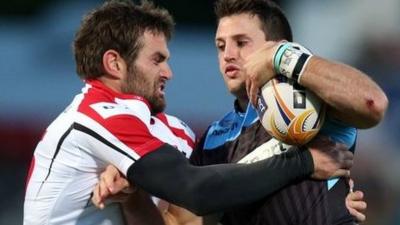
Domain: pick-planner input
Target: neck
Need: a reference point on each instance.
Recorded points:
(243, 102)
(111, 83)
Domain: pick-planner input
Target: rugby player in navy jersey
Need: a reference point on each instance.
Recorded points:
(249, 40)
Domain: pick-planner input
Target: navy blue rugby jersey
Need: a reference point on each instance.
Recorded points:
(237, 136)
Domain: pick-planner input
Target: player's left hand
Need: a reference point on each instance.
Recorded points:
(259, 69)
(355, 203)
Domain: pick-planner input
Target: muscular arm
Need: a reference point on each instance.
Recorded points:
(167, 174)
(354, 98)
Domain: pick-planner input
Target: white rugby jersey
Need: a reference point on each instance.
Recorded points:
(98, 128)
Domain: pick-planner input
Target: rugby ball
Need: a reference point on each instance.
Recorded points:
(290, 112)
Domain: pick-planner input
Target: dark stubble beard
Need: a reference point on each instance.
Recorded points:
(137, 84)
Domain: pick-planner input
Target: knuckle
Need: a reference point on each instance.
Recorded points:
(364, 205)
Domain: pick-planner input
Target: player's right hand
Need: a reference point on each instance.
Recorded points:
(331, 159)
(113, 186)
(259, 69)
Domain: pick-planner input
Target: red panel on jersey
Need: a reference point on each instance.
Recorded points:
(181, 133)
(129, 129)
(177, 131)
(133, 132)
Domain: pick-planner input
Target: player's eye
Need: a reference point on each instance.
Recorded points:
(156, 62)
(241, 43)
(158, 59)
(220, 46)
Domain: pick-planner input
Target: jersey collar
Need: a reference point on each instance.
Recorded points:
(249, 116)
(100, 85)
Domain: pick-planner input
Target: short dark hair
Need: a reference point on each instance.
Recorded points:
(273, 21)
(117, 25)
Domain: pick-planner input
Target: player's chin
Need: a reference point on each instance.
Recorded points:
(236, 87)
(158, 104)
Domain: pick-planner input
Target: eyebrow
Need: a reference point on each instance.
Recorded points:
(161, 55)
(235, 37)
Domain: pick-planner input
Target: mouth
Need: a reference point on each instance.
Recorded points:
(161, 88)
(232, 70)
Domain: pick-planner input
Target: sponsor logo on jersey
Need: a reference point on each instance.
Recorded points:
(223, 130)
(264, 151)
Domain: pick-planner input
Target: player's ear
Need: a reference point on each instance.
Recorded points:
(114, 65)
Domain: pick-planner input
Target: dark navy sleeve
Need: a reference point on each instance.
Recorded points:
(167, 174)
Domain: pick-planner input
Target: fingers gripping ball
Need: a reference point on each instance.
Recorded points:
(289, 112)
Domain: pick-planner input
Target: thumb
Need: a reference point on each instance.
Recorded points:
(118, 185)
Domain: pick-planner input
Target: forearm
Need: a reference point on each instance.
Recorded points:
(140, 209)
(175, 215)
(167, 174)
(352, 95)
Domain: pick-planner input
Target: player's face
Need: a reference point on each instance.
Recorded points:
(237, 37)
(150, 72)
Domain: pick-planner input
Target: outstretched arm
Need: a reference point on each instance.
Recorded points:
(112, 184)
(167, 174)
(175, 215)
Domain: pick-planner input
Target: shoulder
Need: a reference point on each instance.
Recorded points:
(104, 107)
(180, 131)
(105, 113)
(177, 125)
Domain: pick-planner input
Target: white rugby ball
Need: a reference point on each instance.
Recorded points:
(290, 112)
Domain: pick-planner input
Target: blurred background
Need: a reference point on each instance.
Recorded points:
(38, 80)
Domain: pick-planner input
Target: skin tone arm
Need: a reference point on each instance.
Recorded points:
(352, 96)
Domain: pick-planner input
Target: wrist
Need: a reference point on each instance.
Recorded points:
(290, 60)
